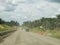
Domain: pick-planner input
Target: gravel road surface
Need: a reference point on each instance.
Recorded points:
(28, 38)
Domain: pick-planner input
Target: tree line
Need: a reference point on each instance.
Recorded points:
(44, 23)
(11, 23)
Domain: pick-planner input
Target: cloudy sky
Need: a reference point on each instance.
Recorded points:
(23, 10)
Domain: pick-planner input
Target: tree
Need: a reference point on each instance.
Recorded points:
(1, 21)
(46, 23)
(11, 23)
(58, 21)
(58, 16)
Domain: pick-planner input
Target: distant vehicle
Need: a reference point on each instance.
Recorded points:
(27, 30)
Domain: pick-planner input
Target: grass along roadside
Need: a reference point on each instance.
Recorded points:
(53, 33)
(5, 31)
(4, 27)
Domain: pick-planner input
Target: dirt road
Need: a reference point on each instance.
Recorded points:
(28, 38)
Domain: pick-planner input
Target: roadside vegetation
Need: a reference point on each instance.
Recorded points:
(45, 26)
(5, 26)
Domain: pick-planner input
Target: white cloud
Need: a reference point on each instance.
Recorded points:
(23, 10)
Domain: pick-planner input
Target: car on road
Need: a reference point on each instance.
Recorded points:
(27, 30)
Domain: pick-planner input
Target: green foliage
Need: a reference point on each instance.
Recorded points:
(5, 27)
(1, 21)
(36, 29)
(48, 25)
(58, 16)
(11, 23)
(45, 23)
(55, 34)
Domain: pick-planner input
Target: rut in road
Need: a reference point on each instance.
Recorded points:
(28, 38)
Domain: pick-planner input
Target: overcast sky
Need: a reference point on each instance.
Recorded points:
(23, 10)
